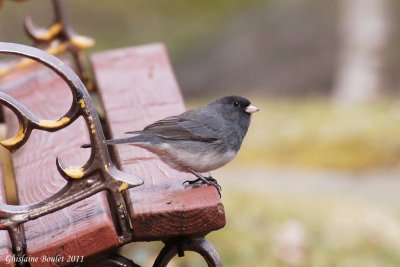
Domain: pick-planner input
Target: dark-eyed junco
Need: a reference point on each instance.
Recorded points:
(198, 140)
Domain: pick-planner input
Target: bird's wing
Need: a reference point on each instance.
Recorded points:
(180, 128)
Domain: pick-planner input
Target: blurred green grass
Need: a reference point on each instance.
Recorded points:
(316, 134)
(339, 232)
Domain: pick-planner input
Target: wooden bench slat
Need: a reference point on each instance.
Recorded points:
(137, 87)
(75, 230)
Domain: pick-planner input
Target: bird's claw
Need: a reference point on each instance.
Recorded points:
(207, 180)
(193, 183)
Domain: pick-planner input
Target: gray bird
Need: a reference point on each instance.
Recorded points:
(199, 140)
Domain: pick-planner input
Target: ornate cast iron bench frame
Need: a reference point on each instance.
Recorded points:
(99, 173)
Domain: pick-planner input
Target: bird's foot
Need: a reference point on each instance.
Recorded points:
(206, 180)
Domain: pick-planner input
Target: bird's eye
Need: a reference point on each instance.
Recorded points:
(235, 103)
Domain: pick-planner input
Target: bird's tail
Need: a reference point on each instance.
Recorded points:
(128, 140)
(122, 140)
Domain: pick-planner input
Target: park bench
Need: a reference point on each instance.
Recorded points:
(78, 204)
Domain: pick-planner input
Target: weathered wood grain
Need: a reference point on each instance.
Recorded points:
(84, 228)
(137, 87)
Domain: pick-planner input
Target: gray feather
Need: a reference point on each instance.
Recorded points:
(180, 128)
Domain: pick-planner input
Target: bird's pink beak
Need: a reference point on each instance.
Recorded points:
(251, 109)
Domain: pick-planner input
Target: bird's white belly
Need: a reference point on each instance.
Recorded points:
(199, 162)
(183, 160)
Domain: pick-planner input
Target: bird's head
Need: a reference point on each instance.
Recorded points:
(236, 109)
(236, 104)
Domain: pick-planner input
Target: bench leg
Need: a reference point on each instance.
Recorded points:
(178, 246)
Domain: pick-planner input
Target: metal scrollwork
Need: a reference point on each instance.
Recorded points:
(56, 39)
(178, 246)
(97, 174)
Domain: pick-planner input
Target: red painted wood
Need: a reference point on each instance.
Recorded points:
(75, 230)
(137, 87)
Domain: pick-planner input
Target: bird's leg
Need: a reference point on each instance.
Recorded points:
(211, 179)
(203, 180)
(200, 178)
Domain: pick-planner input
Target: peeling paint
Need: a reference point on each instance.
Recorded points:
(50, 32)
(123, 187)
(82, 42)
(51, 124)
(82, 103)
(74, 172)
(15, 139)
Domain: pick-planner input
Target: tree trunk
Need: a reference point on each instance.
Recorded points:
(363, 38)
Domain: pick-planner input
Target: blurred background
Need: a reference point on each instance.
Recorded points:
(316, 182)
